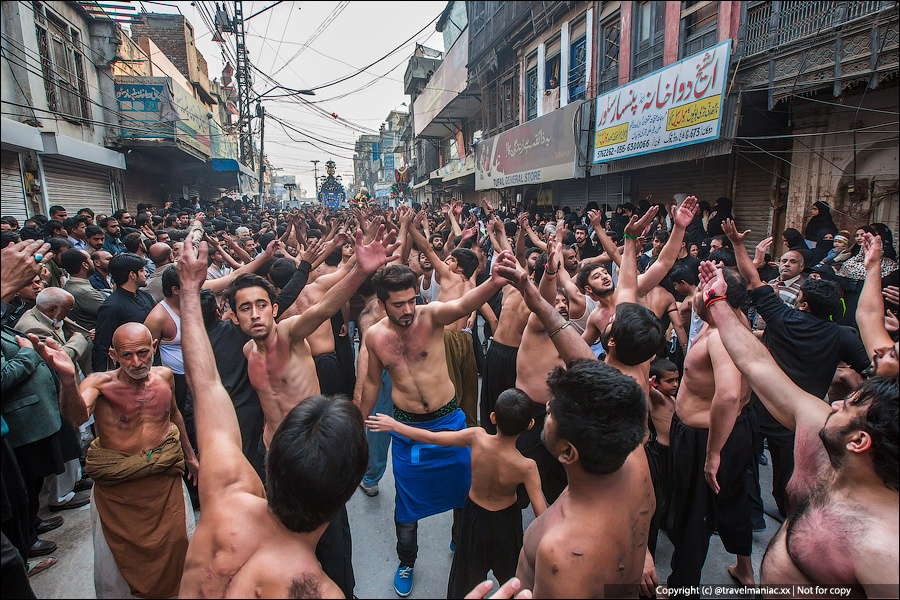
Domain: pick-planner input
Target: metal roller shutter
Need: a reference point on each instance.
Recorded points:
(754, 189)
(141, 188)
(12, 199)
(706, 179)
(77, 186)
(572, 193)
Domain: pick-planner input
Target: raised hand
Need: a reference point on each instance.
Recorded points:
(596, 219)
(554, 255)
(54, 355)
(270, 249)
(523, 221)
(873, 249)
(378, 252)
(467, 234)
(685, 213)
(313, 250)
(419, 219)
(504, 268)
(486, 204)
(192, 270)
(457, 208)
(637, 226)
(731, 231)
(405, 215)
(761, 249)
(445, 209)
(712, 279)
(20, 263)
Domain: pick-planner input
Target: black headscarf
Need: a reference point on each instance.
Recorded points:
(820, 222)
(794, 240)
(823, 247)
(723, 211)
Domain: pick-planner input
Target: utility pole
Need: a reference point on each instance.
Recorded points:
(261, 113)
(316, 173)
(242, 74)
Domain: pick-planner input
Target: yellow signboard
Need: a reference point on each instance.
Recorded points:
(693, 113)
(611, 135)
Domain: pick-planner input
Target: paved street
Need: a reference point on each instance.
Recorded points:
(374, 555)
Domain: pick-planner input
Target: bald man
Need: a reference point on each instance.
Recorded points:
(48, 318)
(140, 511)
(162, 256)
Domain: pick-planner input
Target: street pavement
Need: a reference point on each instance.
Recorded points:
(374, 549)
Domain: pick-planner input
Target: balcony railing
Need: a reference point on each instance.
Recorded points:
(774, 24)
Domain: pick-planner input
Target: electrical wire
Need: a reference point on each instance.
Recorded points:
(315, 35)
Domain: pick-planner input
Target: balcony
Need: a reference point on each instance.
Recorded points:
(794, 48)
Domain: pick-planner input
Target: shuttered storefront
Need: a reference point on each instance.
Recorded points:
(12, 199)
(754, 190)
(79, 185)
(572, 193)
(707, 179)
(142, 188)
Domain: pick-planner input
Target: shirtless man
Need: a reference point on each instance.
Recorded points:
(711, 434)
(454, 275)
(137, 459)
(409, 344)
(257, 541)
(600, 280)
(845, 475)
(282, 369)
(500, 361)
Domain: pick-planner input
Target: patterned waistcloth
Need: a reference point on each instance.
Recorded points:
(408, 417)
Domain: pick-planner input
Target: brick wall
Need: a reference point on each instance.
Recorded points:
(201, 63)
(168, 33)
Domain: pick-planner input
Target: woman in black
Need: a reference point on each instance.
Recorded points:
(820, 221)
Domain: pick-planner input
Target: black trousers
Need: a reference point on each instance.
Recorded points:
(489, 540)
(499, 375)
(780, 441)
(696, 510)
(659, 458)
(553, 474)
(335, 548)
(14, 576)
(343, 350)
(328, 371)
(18, 527)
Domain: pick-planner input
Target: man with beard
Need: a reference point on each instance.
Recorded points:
(793, 336)
(80, 267)
(409, 345)
(140, 510)
(845, 482)
(281, 367)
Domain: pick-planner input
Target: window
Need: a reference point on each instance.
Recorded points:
(698, 26)
(62, 66)
(577, 65)
(608, 78)
(531, 88)
(649, 35)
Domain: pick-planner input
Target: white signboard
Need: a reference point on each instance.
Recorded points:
(675, 106)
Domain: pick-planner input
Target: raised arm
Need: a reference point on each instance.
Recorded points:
(744, 262)
(440, 267)
(627, 286)
(789, 404)
(368, 259)
(76, 405)
(870, 309)
(606, 242)
(566, 339)
(218, 433)
(655, 272)
(446, 313)
(217, 286)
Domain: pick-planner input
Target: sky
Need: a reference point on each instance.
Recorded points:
(355, 34)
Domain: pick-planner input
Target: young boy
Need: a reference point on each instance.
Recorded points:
(663, 387)
(491, 536)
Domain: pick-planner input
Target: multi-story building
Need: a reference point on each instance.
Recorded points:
(96, 117)
(772, 104)
(59, 110)
(367, 156)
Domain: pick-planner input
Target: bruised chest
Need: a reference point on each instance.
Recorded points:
(129, 405)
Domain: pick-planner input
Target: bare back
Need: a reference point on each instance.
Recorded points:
(536, 358)
(581, 546)
(321, 341)
(453, 288)
(228, 559)
(513, 318)
(131, 417)
(497, 469)
(283, 374)
(414, 358)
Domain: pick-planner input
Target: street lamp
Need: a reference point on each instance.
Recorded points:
(316, 175)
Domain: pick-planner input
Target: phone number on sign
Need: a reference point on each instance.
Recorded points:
(675, 137)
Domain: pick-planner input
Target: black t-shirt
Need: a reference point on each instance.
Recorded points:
(589, 250)
(807, 348)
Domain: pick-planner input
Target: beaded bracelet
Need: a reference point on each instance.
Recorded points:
(558, 329)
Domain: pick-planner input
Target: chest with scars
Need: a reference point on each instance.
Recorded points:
(131, 405)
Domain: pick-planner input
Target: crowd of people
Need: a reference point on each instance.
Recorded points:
(620, 370)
